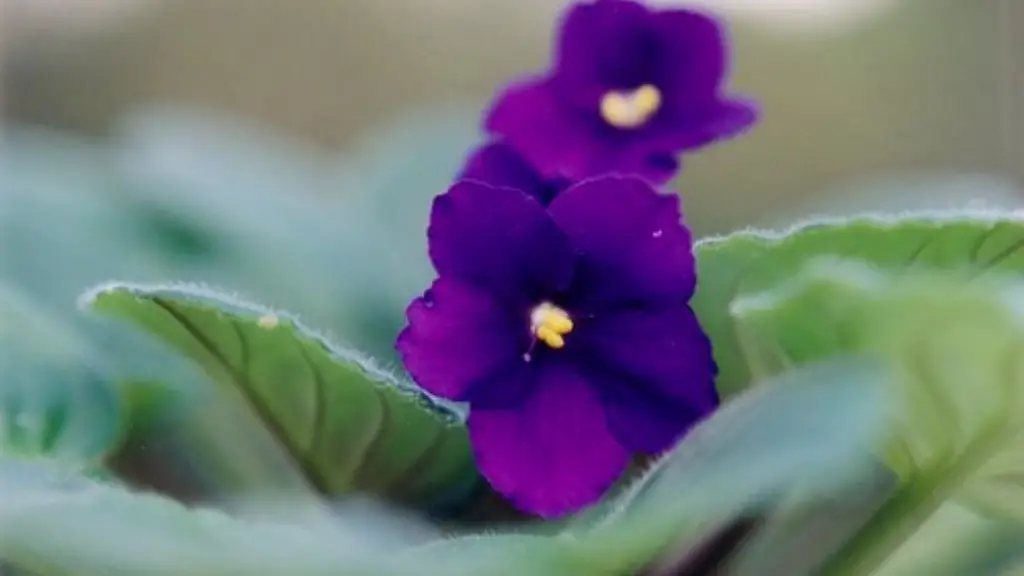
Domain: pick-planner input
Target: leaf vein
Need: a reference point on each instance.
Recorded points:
(370, 457)
(257, 406)
(319, 400)
(404, 480)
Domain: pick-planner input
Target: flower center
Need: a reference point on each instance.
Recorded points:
(550, 324)
(630, 109)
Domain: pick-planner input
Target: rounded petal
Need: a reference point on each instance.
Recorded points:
(632, 247)
(499, 240)
(577, 45)
(605, 44)
(665, 349)
(657, 372)
(641, 421)
(555, 139)
(695, 57)
(554, 454)
(498, 164)
(695, 114)
(701, 126)
(457, 338)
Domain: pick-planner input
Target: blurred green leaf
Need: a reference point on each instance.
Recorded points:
(749, 262)
(953, 345)
(77, 421)
(799, 535)
(957, 541)
(179, 193)
(502, 554)
(803, 435)
(55, 523)
(348, 425)
(54, 400)
(994, 549)
(267, 198)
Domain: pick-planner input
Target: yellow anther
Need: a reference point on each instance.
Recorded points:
(550, 337)
(560, 323)
(631, 109)
(550, 324)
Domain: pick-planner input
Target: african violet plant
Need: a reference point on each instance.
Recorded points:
(598, 391)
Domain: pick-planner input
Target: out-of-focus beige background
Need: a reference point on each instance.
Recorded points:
(852, 90)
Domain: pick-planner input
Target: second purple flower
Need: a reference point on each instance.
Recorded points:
(629, 86)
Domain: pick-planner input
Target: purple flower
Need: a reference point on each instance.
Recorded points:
(629, 86)
(499, 165)
(567, 330)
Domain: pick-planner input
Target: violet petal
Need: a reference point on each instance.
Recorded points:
(553, 455)
(632, 246)
(643, 422)
(498, 164)
(663, 354)
(557, 140)
(457, 336)
(716, 121)
(499, 240)
(695, 54)
(604, 45)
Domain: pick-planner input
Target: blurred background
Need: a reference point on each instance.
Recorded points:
(288, 150)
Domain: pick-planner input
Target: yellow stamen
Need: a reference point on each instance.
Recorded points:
(630, 109)
(550, 337)
(550, 324)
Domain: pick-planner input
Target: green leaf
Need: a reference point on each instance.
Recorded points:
(953, 346)
(749, 262)
(957, 541)
(55, 523)
(347, 425)
(504, 554)
(799, 536)
(75, 420)
(266, 198)
(807, 430)
(54, 401)
(196, 446)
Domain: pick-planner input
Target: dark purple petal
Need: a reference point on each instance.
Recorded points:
(719, 120)
(498, 164)
(632, 247)
(499, 240)
(555, 453)
(655, 365)
(643, 422)
(508, 387)
(659, 168)
(458, 336)
(695, 57)
(603, 45)
(553, 137)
